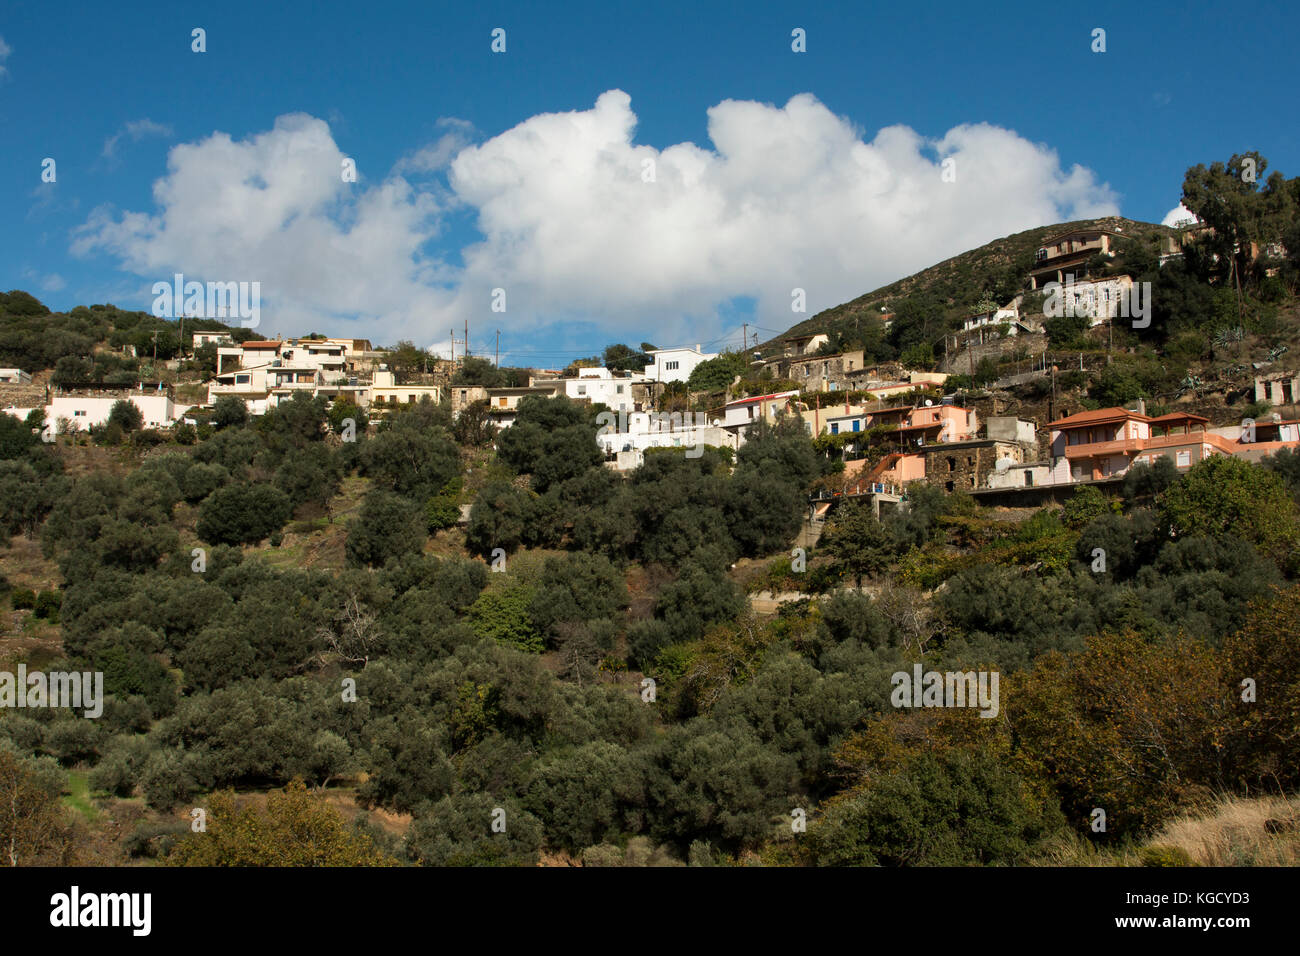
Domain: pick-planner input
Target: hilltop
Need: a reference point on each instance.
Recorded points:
(994, 271)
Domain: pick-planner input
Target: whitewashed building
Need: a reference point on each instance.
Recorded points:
(675, 365)
(89, 406)
(265, 386)
(599, 386)
(626, 441)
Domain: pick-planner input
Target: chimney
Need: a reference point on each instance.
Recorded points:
(1141, 407)
(697, 347)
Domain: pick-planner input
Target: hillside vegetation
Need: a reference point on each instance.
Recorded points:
(301, 638)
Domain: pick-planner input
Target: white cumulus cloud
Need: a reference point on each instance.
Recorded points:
(579, 221)
(1179, 213)
(274, 209)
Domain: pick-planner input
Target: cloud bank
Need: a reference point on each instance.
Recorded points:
(577, 221)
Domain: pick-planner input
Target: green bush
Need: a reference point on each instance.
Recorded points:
(502, 614)
(110, 434)
(125, 416)
(389, 526)
(1166, 856)
(443, 509)
(955, 809)
(242, 513)
(47, 605)
(22, 599)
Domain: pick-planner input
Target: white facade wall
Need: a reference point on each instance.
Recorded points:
(614, 392)
(158, 411)
(328, 358)
(675, 365)
(639, 431)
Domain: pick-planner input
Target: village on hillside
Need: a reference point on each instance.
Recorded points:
(891, 425)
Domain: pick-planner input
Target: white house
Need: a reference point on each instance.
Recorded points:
(1008, 317)
(212, 338)
(675, 365)
(316, 353)
(15, 376)
(625, 444)
(247, 355)
(265, 386)
(599, 386)
(737, 416)
(384, 390)
(89, 406)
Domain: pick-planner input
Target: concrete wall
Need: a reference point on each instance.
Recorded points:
(1008, 428)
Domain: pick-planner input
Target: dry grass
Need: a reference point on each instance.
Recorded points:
(1229, 832)
(1233, 833)
(25, 567)
(324, 547)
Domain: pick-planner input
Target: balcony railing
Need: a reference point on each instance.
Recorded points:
(1115, 447)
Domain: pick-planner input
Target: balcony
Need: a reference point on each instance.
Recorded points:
(1119, 446)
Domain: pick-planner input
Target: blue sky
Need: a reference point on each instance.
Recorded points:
(804, 193)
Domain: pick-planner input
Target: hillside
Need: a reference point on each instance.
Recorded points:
(995, 270)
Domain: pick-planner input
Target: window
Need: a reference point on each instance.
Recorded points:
(501, 403)
(79, 414)
(835, 428)
(952, 466)
(241, 379)
(620, 390)
(671, 366)
(1184, 459)
(857, 425)
(582, 389)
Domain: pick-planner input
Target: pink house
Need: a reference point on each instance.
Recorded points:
(1092, 446)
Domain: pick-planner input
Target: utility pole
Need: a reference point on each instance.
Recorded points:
(467, 337)
(1051, 408)
(498, 361)
(744, 337)
(453, 345)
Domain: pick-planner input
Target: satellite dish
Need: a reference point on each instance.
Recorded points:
(928, 403)
(716, 423)
(1002, 464)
